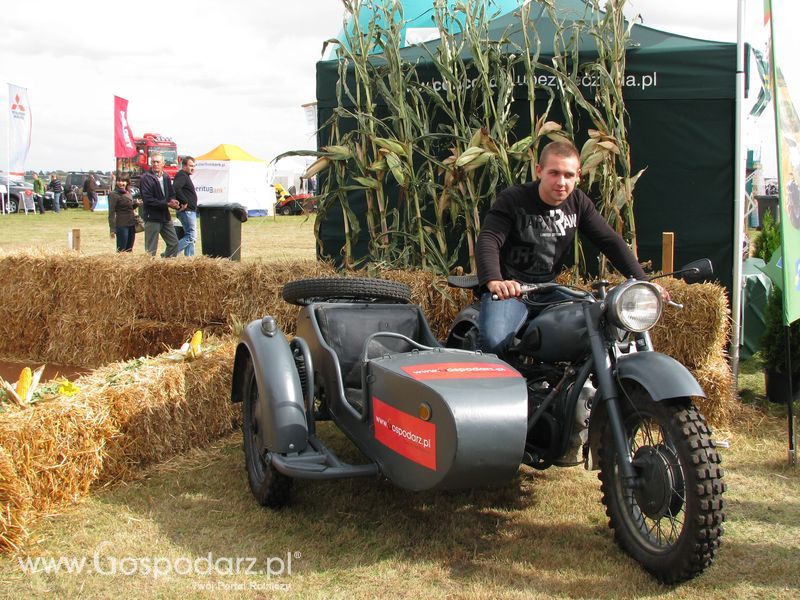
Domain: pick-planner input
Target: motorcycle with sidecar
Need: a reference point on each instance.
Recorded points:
(581, 385)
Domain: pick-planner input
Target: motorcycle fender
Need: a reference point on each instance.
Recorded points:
(466, 319)
(281, 406)
(662, 376)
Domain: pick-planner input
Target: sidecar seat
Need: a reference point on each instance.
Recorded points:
(346, 327)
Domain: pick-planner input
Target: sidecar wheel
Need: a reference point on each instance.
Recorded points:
(672, 523)
(269, 487)
(345, 289)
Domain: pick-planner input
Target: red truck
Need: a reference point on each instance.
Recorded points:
(146, 146)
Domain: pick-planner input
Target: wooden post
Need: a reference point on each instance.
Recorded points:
(667, 252)
(76, 240)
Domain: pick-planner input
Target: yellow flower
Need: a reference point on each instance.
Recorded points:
(67, 388)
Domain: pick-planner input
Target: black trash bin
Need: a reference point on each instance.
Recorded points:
(221, 229)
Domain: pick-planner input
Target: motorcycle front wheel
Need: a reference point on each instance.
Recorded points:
(671, 521)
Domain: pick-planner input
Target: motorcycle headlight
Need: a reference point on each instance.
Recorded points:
(634, 305)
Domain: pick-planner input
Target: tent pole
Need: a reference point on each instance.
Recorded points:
(740, 164)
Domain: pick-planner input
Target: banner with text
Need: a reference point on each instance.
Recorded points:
(787, 128)
(123, 137)
(19, 133)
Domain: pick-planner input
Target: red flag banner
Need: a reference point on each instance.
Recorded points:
(123, 137)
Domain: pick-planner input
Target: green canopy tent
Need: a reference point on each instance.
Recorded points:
(680, 95)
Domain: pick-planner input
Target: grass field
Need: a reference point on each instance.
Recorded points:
(180, 530)
(262, 237)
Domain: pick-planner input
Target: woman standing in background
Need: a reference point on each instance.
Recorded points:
(121, 215)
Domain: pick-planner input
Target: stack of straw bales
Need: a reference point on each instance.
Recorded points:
(125, 416)
(92, 311)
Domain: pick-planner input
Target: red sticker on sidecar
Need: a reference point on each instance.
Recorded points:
(407, 435)
(460, 370)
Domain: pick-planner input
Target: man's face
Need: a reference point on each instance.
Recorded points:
(557, 176)
(157, 164)
(189, 167)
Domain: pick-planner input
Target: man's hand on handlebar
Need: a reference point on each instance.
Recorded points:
(504, 289)
(664, 293)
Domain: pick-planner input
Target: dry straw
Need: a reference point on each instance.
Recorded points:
(130, 414)
(126, 415)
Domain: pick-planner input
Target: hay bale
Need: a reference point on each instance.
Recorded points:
(57, 448)
(716, 378)
(15, 505)
(696, 335)
(255, 290)
(27, 299)
(189, 291)
(161, 407)
(96, 287)
(125, 416)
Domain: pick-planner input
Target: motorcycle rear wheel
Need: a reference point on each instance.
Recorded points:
(672, 523)
(269, 487)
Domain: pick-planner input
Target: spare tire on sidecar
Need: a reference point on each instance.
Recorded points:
(424, 416)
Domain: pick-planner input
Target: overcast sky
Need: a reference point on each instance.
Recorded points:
(203, 72)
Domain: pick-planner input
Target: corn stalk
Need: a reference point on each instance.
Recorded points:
(429, 156)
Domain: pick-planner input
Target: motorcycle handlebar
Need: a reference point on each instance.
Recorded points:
(527, 288)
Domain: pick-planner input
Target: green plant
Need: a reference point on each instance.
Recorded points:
(773, 341)
(769, 240)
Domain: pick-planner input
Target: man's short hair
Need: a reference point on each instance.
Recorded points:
(158, 154)
(564, 149)
(185, 160)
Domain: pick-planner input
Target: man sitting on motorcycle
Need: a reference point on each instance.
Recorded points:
(526, 237)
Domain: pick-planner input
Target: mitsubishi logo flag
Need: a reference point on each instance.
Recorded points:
(19, 129)
(123, 138)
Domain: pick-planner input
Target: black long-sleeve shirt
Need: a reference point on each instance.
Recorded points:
(523, 238)
(184, 190)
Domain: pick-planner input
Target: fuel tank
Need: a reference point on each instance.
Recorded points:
(446, 419)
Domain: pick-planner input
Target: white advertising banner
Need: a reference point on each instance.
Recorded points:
(19, 130)
(243, 182)
(210, 180)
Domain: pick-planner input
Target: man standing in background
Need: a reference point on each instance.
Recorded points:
(158, 196)
(187, 198)
(57, 189)
(38, 191)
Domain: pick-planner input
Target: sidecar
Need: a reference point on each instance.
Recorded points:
(425, 417)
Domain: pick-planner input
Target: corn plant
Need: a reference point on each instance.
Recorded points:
(429, 161)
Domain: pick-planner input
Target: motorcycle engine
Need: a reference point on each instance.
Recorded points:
(560, 430)
(543, 435)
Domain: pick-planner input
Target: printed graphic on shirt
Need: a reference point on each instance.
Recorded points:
(554, 224)
(535, 250)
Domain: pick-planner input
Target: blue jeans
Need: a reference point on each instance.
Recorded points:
(56, 201)
(498, 321)
(188, 219)
(125, 237)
